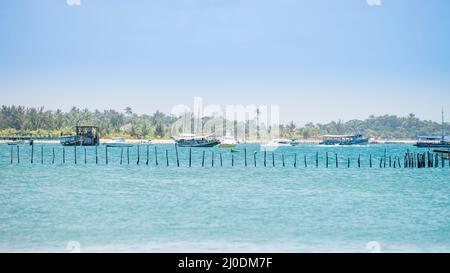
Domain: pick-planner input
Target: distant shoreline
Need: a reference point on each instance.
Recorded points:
(171, 141)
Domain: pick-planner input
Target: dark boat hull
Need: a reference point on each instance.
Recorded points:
(432, 145)
(353, 142)
(77, 143)
(198, 144)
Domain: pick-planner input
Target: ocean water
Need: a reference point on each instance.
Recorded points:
(59, 207)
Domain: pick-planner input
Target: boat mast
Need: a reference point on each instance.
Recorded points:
(443, 128)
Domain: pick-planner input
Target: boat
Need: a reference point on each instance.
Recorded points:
(228, 142)
(357, 139)
(85, 136)
(196, 141)
(18, 142)
(441, 141)
(280, 143)
(117, 142)
(146, 142)
(433, 142)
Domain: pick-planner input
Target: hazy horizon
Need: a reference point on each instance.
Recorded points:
(318, 60)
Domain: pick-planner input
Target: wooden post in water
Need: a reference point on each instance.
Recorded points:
(254, 158)
(282, 158)
(265, 157)
(42, 154)
(75, 154)
(348, 162)
(390, 161)
(359, 161)
(317, 159)
(245, 156)
(148, 155)
(212, 159)
(53, 155)
(156, 156)
(232, 160)
(337, 161)
(326, 159)
(106, 155)
(121, 156)
(96, 154)
(203, 159)
(273, 159)
(128, 155)
(305, 161)
(11, 153)
(85, 156)
(64, 155)
(190, 157)
(18, 154)
(32, 152)
(443, 161)
(167, 158)
(176, 153)
(221, 163)
(385, 151)
(138, 154)
(370, 159)
(295, 160)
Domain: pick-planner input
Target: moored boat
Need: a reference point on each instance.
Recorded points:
(85, 136)
(433, 142)
(357, 139)
(280, 143)
(441, 141)
(117, 142)
(196, 141)
(228, 142)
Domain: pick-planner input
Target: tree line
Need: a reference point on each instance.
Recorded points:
(33, 121)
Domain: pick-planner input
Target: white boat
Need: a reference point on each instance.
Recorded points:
(146, 142)
(117, 142)
(228, 142)
(280, 143)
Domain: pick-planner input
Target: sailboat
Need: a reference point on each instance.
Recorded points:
(441, 141)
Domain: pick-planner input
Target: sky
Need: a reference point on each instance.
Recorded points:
(319, 60)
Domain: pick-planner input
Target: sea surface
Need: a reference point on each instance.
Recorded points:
(62, 207)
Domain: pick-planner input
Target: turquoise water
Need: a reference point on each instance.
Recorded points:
(140, 208)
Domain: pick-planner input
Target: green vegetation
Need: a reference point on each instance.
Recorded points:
(38, 122)
(386, 127)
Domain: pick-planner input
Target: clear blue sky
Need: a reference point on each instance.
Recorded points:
(320, 60)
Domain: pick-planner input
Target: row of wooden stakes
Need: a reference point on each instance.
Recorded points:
(410, 160)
